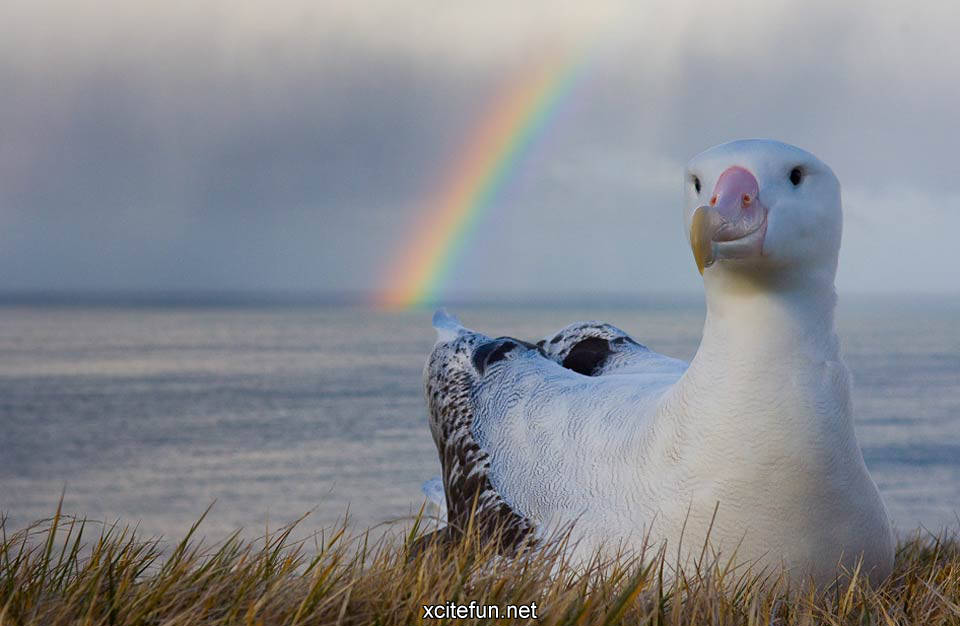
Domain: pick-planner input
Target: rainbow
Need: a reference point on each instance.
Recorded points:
(488, 161)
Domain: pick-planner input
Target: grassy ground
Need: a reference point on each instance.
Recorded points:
(65, 571)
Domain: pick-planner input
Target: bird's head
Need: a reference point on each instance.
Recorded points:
(762, 208)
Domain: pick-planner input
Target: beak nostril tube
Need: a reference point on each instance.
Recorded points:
(736, 190)
(723, 228)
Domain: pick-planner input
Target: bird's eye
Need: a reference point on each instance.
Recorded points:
(696, 184)
(796, 176)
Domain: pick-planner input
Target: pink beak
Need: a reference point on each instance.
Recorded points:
(722, 229)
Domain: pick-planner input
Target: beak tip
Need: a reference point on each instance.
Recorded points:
(701, 239)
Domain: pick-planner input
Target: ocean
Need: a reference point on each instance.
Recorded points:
(147, 413)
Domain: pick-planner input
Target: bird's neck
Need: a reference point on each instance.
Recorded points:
(766, 322)
(769, 358)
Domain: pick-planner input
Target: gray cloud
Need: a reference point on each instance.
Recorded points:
(206, 146)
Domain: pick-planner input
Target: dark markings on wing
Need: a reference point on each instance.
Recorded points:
(453, 373)
(588, 355)
(491, 352)
(590, 348)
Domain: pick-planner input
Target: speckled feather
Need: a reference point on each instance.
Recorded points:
(451, 378)
(457, 379)
(592, 348)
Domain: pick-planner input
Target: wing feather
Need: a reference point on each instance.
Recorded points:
(452, 376)
(597, 348)
(482, 393)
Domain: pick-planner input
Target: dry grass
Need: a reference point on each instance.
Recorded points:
(66, 571)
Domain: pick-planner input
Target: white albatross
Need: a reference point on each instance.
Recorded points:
(751, 444)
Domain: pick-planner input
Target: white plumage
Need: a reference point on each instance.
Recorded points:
(590, 428)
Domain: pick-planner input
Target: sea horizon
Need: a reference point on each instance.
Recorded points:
(367, 298)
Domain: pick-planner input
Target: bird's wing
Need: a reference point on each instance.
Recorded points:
(452, 375)
(597, 348)
(512, 424)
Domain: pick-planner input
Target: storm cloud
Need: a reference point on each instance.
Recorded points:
(235, 146)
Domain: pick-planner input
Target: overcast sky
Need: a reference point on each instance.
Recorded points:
(163, 145)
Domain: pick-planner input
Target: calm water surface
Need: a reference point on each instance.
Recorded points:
(149, 414)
